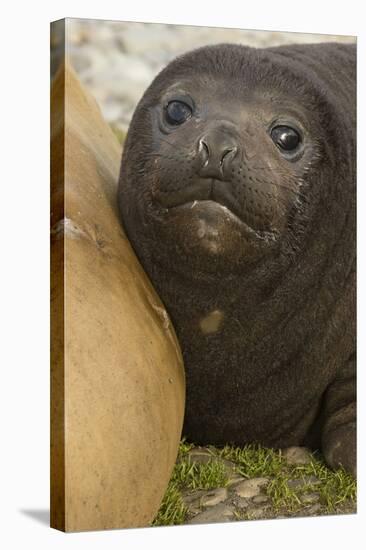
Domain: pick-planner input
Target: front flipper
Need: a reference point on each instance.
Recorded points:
(339, 429)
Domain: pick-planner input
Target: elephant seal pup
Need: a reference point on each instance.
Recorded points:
(237, 192)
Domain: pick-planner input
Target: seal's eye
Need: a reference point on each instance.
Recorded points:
(285, 137)
(177, 112)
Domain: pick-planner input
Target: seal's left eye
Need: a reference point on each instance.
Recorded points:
(177, 112)
(285, 137)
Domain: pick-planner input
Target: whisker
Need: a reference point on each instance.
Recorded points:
(159, 155)
(168, 142)
(281, 185)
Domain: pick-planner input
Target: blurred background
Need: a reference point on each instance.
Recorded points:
(117, 60)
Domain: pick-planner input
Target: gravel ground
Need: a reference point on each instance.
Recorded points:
(117, 60)
(236, 485)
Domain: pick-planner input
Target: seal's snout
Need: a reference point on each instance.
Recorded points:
(216, 152)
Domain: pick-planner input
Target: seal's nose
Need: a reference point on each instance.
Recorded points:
(216, 152)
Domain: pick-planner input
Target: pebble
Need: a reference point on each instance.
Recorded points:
(297, 455)
(201, 455)
(234, 480)
(257, 513)
(314, 509)
(309, 498)
(260, 499)
(195, 508)
(242, 503)
(214, 497)
(300, 482)
(221, 513)
(251, 487)
(191, 497)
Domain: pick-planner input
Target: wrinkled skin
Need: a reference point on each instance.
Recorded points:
(250, 247)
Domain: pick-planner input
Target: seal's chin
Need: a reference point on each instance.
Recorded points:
(205, 237)
(211, 203)
(214, 217)
(203, 227)
(207, 228)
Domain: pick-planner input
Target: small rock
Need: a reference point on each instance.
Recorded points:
(251, 487)
(214, 497)
(256, 513)
(242, 503)
(297, 455)
(221, 513)
(112, 109)
(309, 498)
(260, 499)
(82, 61)
(236, 479)
(229, 466)
(201, 455)
(314, 509)
(191, 497)
(293, 483)
(194, 508)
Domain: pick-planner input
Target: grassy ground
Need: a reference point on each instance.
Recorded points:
(290, 487)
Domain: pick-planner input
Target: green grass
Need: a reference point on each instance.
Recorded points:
(172, 510)
(184, 448)
(254, 460)
(192, 475)
(333, 487)
(336, 490)
(188, 475)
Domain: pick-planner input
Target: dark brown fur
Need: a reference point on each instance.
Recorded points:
(279, 368)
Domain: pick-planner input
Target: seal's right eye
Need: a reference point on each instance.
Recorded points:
(286, 138)
(177, 112)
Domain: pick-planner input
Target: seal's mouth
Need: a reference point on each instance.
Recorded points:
(207, 204)
(212, 199)
(203, 191)
(209, 208)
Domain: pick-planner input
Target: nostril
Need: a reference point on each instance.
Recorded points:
(204, 151)
(203, 146)
(229, 151)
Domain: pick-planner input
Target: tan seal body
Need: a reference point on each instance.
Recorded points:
(117, 378)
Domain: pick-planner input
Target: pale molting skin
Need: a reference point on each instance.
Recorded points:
(233, 197)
